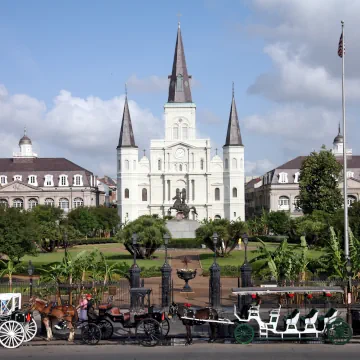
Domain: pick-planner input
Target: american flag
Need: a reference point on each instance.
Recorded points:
(341, 46)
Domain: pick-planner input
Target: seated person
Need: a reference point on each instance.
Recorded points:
(90, 308)
(244, 313)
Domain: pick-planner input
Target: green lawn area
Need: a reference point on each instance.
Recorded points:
(237, 257)
(112, 252)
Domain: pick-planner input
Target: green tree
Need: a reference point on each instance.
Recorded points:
(83, 219)
(107, 219)
(9, 269)
(228, 232)
(319, 188)
(279, 222)
(150, 232)
(17, 234)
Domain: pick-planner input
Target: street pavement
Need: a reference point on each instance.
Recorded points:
(198, 351)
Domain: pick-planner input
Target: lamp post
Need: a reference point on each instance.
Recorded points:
(245, 269)
(348, 295)
(31, 272)
(166, 276)
(65, 242)
(214, 281)
(134, 274)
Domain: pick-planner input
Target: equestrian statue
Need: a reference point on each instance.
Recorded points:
(180, 206)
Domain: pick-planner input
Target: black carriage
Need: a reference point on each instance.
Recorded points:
(150, 326)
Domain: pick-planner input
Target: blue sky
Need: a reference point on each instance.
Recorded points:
(89, 49)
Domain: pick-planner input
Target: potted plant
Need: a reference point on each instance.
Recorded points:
(186, 274)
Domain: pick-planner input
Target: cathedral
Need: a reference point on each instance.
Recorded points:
(181, 162)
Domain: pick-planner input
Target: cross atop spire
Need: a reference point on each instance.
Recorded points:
(126, 89)
(24, 130)
(339, 128)
(126, 138)
(233, 91)
(179, 84)
(233, 136)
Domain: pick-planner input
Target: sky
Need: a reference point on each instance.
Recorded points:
(63, 66)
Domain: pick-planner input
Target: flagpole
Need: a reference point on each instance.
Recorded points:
(346, 233)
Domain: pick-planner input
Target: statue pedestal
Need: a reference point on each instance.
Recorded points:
(184, 228)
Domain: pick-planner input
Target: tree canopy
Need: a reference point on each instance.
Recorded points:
(319, 187)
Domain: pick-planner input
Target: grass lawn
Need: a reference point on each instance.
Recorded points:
(237, 257)
(113, 252)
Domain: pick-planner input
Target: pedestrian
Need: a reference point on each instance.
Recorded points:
(83, 304)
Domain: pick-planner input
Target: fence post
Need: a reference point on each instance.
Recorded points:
(214, 285)
(134, 283)
(165, 284)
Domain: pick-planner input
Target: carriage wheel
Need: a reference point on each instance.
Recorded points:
(244, 334)
(149, 332)
(90, 334)
(338, 332)
(12, 334)
(30, 329)
(165, 324)
(106, 328)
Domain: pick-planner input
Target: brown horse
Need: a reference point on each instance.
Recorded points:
(49, 310)
(201, 314)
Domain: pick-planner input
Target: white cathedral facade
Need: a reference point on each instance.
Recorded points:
(214, 186)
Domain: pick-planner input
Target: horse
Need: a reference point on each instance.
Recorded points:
(201, 314)
(50, 310)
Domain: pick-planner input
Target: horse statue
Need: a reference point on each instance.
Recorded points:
(207, 313)
(180, 205)
(49, 310)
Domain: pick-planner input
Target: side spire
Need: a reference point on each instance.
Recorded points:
(179, 84)
(233, 136)
(126, 138)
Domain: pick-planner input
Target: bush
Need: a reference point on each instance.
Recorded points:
(90, 241)
(269, 238)
(226, 270)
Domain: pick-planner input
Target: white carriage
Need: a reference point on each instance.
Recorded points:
(16, 326)
(330, 326)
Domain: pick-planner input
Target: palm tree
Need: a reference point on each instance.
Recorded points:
(10, 268)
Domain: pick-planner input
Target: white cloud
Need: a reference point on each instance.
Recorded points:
(74, 127)
(258, 167)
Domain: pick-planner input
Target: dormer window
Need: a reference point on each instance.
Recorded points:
(283, 178)
(78, 180)
(3, 179)
(49, 181)
(296, 177)
(63, 180)
(350, 174)
(179, 83)
(32, 180)
(17, 178)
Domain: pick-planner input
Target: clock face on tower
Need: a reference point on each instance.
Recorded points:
(179, 153)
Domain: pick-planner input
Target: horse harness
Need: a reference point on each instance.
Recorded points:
(53, 305)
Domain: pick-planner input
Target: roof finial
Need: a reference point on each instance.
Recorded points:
(233, 91)
(144, 152)
(25, 130)
(339, 127)
(178, 15)
(216, 151)
(126, 89)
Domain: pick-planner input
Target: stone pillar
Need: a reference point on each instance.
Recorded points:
(166, 285)
(214, 285)
(134, 283)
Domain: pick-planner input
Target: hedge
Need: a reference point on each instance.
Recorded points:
(90, 241)
(226, 270)
(185, 243)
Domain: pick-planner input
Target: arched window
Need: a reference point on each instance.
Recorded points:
(18, 203)
(4, 203)
(217, 217)
(180, 167)
(184, 132)
(202, 164)
(217, 194)
(351, 199)
(64, 203)
(32, 203)
(144, 194)
(78, 202)
(49, 202)
(176, 132)
(127, 166)
(226, 163)
(127, 194)
(297, 203)
(159, 164)
(284, 203)
(234, 192)
(234, 163)
(179, 83)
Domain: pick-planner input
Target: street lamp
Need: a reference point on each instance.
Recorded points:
(215, 238)
(31, 272)
(134, 239)
(166, 238)
(348, 268)
(65, 242)
(246, 241)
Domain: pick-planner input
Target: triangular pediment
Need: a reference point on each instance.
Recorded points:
(18, 186)
(180, 143)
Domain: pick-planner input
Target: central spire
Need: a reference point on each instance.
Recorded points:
(179, 84)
